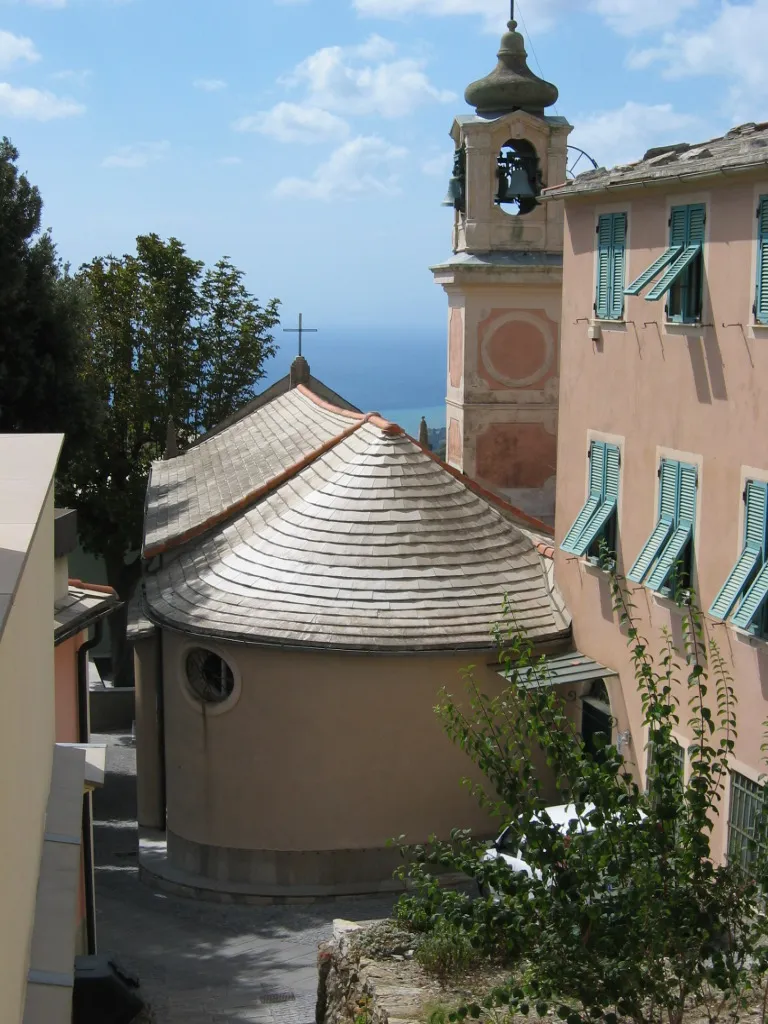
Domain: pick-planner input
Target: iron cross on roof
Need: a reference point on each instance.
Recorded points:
(301, 330)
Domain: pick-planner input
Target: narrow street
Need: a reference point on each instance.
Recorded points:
(198, 962)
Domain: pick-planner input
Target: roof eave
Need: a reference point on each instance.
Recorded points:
(363, 649)
(566, 191)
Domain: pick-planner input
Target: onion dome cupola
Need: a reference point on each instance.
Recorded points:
(511, 85)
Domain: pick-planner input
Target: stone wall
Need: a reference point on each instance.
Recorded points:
(352, 987)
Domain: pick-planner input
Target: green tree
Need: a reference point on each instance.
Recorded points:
(627, 915)
(42, 388)
(166, 339)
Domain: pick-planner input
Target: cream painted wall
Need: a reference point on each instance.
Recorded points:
(657, 388)
(321, 751)
(27, 732)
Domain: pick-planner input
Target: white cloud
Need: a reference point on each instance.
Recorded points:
(138, 155)
(16, 48)
(338, 79)
(732, 45)
(69, 75)
(36, 104)
(358, 167)
(631, 17)
(291, 122)
(210, 84)
(627, 17)
(623, 135)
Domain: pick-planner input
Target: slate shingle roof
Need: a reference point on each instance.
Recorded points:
(188, 491)
(742, 148)
(372, 545)
(83, 604)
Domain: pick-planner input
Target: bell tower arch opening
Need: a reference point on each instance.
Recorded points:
(519, 177)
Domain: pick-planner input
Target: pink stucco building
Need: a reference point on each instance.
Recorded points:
(663, 420)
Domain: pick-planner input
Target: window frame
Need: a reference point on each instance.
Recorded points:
(751, 788)
(602, 506)
(667, 529)
(760, 319)
(747, 553)
(208, 710)
(692, 277)
(614, 308)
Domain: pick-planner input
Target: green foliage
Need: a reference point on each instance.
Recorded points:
(165, 339)
(447, 952)
(626, 915)
(41, 355)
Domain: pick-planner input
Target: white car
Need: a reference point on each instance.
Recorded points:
(506, 845)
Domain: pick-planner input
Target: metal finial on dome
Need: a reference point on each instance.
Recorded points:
(511, 85)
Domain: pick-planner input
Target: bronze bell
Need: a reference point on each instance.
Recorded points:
(455, 193)
(514, 185)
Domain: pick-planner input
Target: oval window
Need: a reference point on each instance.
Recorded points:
(209, 676)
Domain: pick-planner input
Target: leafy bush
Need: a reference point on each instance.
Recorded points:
(447, 952)
(626, 915)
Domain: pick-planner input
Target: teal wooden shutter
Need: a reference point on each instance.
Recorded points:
(752, 555)
(678, 226)
(594, 500)
(755, 514)
(612, 469)
(607, 509)
(696, 219)
(680, 265)
(761, 303)
(618, 247)
(668, 490)
(655, 268)
(753, 600)
(683, 532)
(667, 512)
(604, 259)
(686, 505)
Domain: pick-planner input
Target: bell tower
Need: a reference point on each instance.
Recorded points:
(504, 284)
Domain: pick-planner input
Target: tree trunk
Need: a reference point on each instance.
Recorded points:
(123, 578)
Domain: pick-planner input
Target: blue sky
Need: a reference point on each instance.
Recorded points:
(309, 141)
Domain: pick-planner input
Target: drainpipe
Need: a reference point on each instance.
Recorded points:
(82, 711)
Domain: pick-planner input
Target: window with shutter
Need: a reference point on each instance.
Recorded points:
(597, 519)
(753, 553)
(761, 301)
(684, 279)
(667, 556)
(611, 242)
(682, 266)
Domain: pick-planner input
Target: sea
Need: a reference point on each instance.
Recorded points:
(398, 372)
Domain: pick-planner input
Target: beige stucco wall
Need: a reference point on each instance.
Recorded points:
(693, 393)
(26, 749)
(321, 751)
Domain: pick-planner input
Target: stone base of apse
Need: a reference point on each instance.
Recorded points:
(173, 865)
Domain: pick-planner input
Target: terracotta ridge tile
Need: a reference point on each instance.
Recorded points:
(483, 492)
(99, 588)
(545, 549)
(258, 492)
(389, 428)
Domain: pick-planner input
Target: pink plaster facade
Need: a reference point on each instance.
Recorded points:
(504, 317)
(696, 393)
(67, 730)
